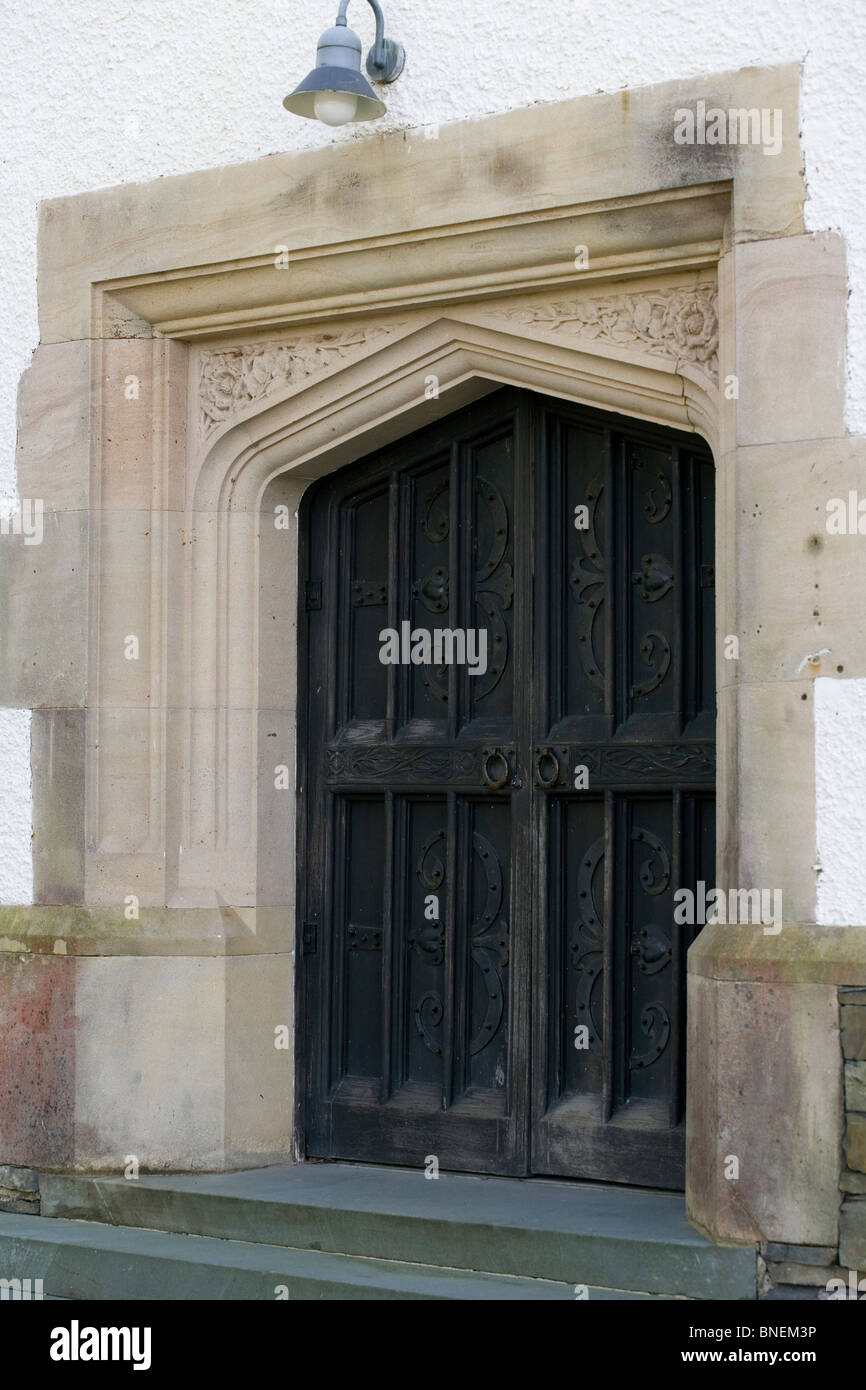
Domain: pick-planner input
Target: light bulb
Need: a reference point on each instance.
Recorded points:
(335, 108)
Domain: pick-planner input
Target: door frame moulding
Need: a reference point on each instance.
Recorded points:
(256, 379)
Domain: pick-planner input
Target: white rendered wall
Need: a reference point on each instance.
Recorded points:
(840, 793)
(99, 92)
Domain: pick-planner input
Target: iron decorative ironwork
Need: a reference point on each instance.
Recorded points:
(587, 943)
(587, 583)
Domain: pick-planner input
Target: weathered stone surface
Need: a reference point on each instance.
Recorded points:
(14, 1202)
(853, 995)
(43, 616)
(786, 1192)
(535, 1227)
(852, 1233)
(854, 1183)
(783, 549)
(523, 160)
(855, 1143)
(853, 1020)
(18, 1179)
(37, 1078)
(777, 849)
(797, 955)
(57, 763)
(821, 1255)
(805, 281)
(811, 1275)
(855, 1086)
(54, 422)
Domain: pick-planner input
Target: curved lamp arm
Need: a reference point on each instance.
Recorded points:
(386, 58)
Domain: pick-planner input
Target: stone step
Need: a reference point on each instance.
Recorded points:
(564, 1232)
(91, 1261)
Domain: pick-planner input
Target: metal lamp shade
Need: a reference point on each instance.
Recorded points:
(301, 101)
(338, 69)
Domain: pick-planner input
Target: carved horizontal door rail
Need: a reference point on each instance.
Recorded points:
(619, 764)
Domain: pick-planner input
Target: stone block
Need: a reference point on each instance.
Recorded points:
(53, 453)
(855, 1086)
(855, 1143)
(18, 1179)
(852, 1233)
(43, 615)
(814, 1276)
(791, 306)
(786, 1193)
(854, 1183)
(821, 1255)
(853, 1020)
(142, 454)
(58, 771)
(37, 1044)
(767, 851)
(20, 1206)
(792, 587)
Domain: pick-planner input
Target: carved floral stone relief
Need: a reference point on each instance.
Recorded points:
(231, 379)
(677, 323)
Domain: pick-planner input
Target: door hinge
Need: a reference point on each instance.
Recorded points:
(313, 590)
(310, 939)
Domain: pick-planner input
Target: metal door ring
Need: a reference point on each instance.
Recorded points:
(544, 759)
(493, 756)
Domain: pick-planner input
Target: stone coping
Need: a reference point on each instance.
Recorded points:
(799, 954)
(159, 931)
(168, 251)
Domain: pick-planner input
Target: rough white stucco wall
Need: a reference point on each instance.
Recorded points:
(101, 92)
(840, 791)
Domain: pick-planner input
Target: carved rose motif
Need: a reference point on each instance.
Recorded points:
(677, 323)
(694, 323)
(235, 378)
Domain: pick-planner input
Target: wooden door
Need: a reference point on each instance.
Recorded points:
(494, 831)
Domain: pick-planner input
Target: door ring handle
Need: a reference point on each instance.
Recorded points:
(544, 761)
(492, 760)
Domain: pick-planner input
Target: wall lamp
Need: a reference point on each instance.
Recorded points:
(336, 91)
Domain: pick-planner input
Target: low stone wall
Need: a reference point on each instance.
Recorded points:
(19, 1190)
(830, 1272)
(852, 1221)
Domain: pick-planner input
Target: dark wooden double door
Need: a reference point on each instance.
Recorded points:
(492, 972)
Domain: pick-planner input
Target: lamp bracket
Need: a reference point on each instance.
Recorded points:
(386, 58)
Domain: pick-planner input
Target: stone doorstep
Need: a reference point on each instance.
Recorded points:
(572, 1233)
(107, 1262)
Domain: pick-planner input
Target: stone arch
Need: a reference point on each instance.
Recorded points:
(283, 445)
